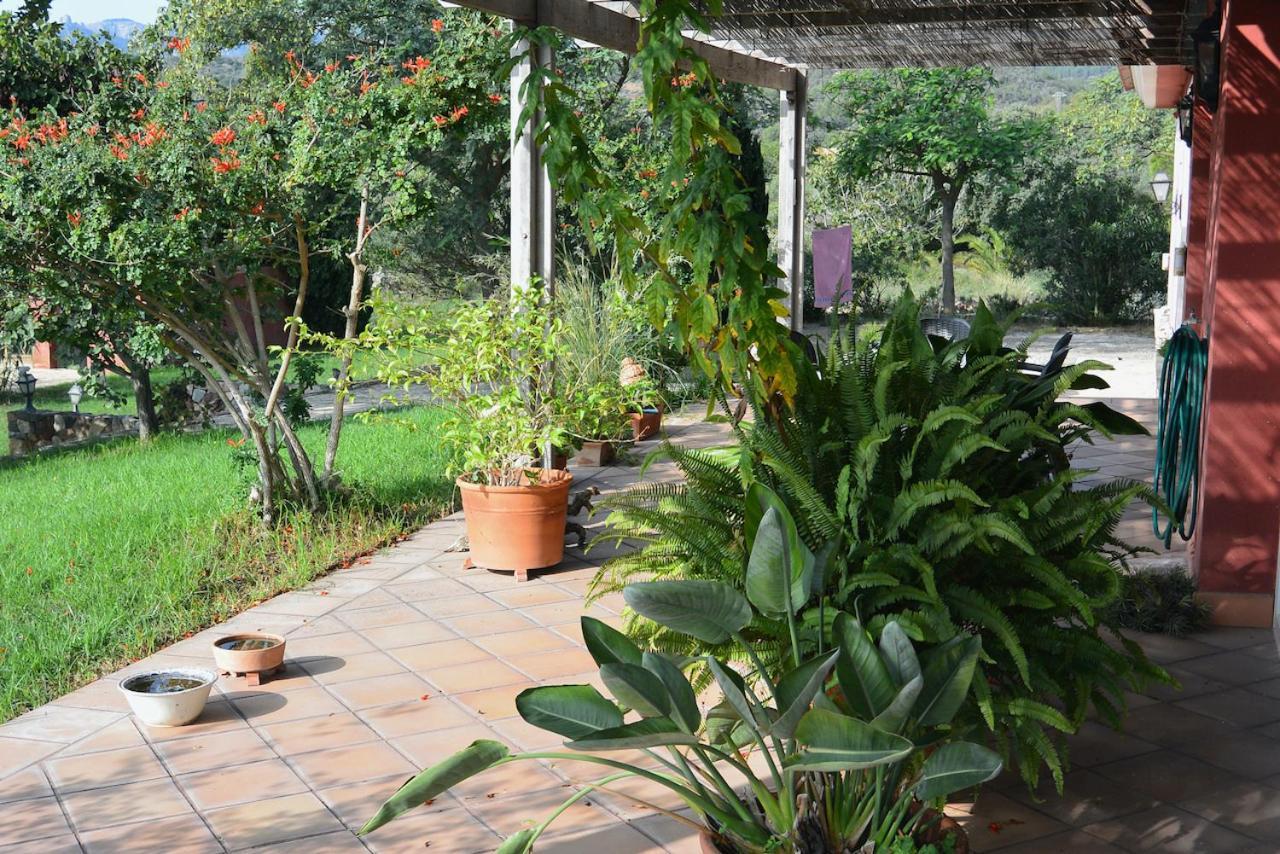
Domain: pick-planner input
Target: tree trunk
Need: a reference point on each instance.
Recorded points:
(948, 253)
(144, 402)
(352, 312)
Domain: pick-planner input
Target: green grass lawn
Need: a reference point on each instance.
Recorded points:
(112, 552)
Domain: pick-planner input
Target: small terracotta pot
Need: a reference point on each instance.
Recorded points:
(596, 453)
(646, 424)
(517, 528)
(249, 661)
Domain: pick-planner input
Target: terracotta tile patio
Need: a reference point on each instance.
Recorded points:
(406, 657)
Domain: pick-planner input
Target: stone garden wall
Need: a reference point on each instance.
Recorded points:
(30, 432)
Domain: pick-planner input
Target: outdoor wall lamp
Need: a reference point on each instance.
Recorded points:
(1160, 186)
(75, 393)
(1186, 118)
(26, 383)
(1207, 42)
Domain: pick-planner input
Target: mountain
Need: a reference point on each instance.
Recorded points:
(120, 30)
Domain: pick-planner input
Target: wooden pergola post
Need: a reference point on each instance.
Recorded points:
(533, 201)
(792, 125)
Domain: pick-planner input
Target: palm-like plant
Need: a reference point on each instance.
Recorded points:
(938, 477)
(853, 745)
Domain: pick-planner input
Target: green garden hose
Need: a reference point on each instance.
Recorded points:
(1177, 476)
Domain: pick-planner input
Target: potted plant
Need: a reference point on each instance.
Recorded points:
(598, 418)
(644, 400)
(853, 747)
(492, 366)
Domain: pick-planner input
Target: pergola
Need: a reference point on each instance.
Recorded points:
(773, 44)
(1226, 201)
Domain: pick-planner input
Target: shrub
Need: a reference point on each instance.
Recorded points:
(938, 475)
(1157, 601)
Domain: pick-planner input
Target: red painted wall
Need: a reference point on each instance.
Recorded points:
(1198, 225)
(1239, 533)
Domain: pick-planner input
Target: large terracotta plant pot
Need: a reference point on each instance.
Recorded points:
(646, 424)
(946, 826)
(517, 528)
(595, 453)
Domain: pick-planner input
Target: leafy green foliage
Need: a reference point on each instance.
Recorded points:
(1153, 600)
(831, 776)
(938, 477)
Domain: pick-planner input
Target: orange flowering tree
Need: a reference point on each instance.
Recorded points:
(203, 207)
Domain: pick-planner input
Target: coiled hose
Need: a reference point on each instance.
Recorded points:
(1177, 475)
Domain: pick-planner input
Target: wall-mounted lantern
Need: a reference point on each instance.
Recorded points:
(1207, 41)
(1160, 186)
(26, 383)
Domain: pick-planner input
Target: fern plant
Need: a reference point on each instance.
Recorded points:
(937, 476)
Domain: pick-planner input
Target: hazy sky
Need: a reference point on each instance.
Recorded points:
(89, 11)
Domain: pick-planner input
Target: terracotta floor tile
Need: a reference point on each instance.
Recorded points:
(203, 752)
(431, 656)
(388, 615)
(1170, 831)
(1096, 743)
(382, 691)
(317, 733)
(332, 670)
(109, 768)
(565, 612)
(1232, 667)
(340, 644)
(317, 627)
(619, 839)
(187, 834)
(494, 703)
(277, 820)
(1166, 776)
(376, 598)
(550, 666)
(341, 842)
(1246, 753)
(1069, 842)
(1237, 706)
(120, 734)
(409, 634)
(240, 784)
(525, 736)
(674, 836)
(454, 831)
(343, 586)
(32, 820)
(63, 843)
(1249, 808)
(995, 821)
(485, 581)
(427, 748)
(532, 594)
(62, 724)
(24, 785)
(479, 625)
(435, 588)
(513, 814)
(299, 604)
(90, 810)
(526, 642)
(474, 676)
(16, 753)
(356, 803)
(292, 678)
(217, 717)
(509, 780)
(351, 764)
(263, 707)
(101, 695)
(459, 606)
(1087, 798)
(435, 713)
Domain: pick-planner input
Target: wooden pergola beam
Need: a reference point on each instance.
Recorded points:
(614, 26)
(1012, 12)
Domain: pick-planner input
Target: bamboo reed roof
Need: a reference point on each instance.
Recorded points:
(879, 33)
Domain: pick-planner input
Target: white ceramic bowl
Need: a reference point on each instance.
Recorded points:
(174, 708)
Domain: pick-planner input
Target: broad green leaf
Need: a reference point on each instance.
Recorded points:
(573, 711)
(892, 718)
(707, 610)
(726, 728)
(898, 654)
(779, 567)
(956, 766)
(835, 742)
(864, 679)
(607, 645)
(684, 703)
(797, 689)
(479, 756)
(948, 672)
(650, 732)
(636, 688)
(734, 690)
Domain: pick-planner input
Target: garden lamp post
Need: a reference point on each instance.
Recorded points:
(1160, 186)
(75, 393)
(26, 383)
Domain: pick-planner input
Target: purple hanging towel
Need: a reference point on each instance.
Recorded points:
(832, 266)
